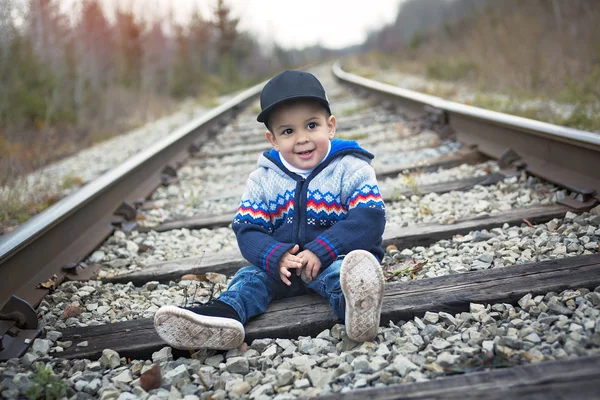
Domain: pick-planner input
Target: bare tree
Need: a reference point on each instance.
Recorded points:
(7, 37)
(68, 81)
(93, 59)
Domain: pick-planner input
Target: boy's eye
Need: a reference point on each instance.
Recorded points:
(312, 125)
(288, 131)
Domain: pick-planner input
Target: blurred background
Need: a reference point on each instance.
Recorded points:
(77, 72)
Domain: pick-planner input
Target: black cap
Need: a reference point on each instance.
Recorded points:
(290, 85)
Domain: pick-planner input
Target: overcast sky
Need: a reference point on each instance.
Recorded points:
(291, 23)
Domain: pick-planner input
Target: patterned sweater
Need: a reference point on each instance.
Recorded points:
(337, 209)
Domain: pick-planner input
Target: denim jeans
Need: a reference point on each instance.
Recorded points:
(252, 289)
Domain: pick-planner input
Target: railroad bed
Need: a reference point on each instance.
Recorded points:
(493, 283)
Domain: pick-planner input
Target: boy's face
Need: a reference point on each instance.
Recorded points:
(301, 132)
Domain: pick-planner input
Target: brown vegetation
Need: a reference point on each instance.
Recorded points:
(528, 49)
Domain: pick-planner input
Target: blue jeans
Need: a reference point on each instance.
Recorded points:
(252, 289)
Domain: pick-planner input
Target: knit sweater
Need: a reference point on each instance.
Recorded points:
(337, 209)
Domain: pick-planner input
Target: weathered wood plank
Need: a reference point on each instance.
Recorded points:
(569, 379)
(432, 164)
(223, 263)
(416, 235)
(465, 156)
(426, 234)
(402, 301)
(448, 186)
(213, 221)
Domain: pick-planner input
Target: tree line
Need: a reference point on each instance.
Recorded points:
(69, 80)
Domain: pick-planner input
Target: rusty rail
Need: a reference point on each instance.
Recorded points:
(66, 232)
(564, 156)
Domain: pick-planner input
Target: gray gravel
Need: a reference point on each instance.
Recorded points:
(414, 180)
(571, 236)
(123, 253)
(447, 208)
(78, 304)
(94, 302)
(554, 326)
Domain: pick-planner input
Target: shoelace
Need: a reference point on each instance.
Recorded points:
(185, 292)
(192, 302)
(199, 303)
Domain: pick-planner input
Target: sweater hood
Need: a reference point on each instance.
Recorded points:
(339, 148)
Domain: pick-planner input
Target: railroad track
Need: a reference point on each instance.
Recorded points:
(492, 260)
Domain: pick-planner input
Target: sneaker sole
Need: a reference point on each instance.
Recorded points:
(362, 283)
(186, 330)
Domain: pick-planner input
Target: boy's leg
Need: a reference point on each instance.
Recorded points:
(327, 284)
(219, 323)
(252, 289)
(354, 287)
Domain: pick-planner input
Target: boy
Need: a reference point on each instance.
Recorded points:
(310, 220)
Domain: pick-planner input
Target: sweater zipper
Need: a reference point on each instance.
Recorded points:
(300, 207)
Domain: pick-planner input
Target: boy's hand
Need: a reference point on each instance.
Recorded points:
(287, 262)
(311, 263)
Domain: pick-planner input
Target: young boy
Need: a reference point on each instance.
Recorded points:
(310, 220)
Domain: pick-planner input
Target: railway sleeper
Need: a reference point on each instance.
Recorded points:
(402, 301)
(416, 235)
(218, 220)
(569, 379)
(442, 187)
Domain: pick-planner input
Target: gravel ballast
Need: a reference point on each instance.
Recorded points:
(94, 302)
(554, 326)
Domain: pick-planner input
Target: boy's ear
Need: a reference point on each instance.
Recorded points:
(271, 138)
(331, 124)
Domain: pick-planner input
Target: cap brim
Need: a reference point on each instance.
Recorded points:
(264, 114)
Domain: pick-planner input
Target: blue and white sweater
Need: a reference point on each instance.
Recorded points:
(337, 209)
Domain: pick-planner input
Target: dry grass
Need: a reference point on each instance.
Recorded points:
(25, 149)
(523, 49)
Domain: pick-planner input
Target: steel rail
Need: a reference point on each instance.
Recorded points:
(67, 231)
(565, 156)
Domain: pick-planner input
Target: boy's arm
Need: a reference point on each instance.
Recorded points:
(253, 227)
(364, 224)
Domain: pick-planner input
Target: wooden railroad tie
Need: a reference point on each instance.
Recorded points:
(218, 220)
(417, 235)
(402, 301)
(575, 379)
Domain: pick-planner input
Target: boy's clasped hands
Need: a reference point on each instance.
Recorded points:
(293, 259)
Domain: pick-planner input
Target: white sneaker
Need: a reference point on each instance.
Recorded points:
(187, 330)
(362, 283)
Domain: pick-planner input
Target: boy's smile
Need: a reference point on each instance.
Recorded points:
(301, 132)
